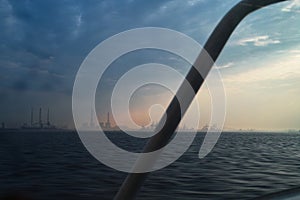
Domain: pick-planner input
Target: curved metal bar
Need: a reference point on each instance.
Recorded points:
(213, 46)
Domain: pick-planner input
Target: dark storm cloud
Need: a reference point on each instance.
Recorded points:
(31, 39)
(55, 36)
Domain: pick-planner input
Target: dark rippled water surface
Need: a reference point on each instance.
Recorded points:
(44, 165)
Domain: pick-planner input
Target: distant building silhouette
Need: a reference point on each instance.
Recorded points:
(92, 124)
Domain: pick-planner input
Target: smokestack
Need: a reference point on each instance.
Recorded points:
(108, 122)
(3, 125)
(40, 118)
(31, 117)
(48, 121)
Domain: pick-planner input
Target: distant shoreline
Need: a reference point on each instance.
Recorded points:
(116, 131)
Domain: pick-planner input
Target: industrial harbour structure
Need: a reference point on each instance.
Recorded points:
(39, 124)
(105, 125)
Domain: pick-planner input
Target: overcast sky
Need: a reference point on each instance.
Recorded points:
(43, 43)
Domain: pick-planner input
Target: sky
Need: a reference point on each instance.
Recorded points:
(43, 43)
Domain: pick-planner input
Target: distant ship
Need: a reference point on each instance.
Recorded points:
(293, 131)
(3, 128)
(212, 128)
